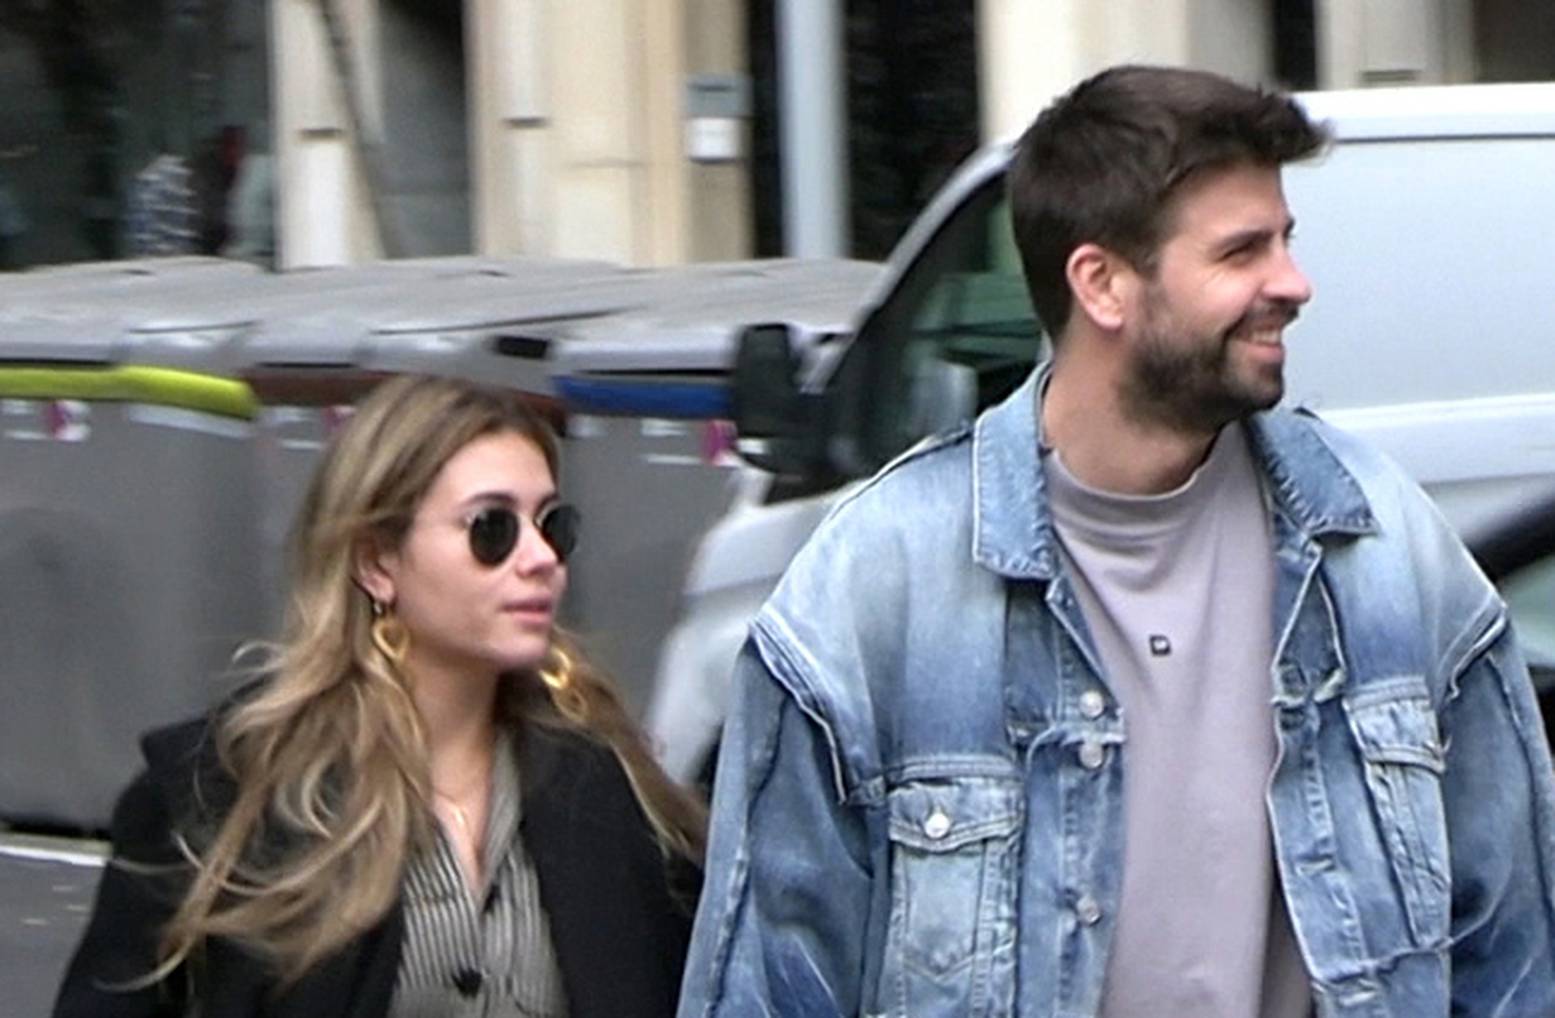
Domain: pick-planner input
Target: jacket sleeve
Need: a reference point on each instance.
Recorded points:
(780, 929)
(139, 891)
(1500, 800)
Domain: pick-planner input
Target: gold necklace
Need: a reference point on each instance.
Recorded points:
(455, 803)
(461, 817)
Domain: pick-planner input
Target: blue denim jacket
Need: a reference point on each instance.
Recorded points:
(912, 817)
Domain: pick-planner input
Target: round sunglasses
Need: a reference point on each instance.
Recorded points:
(494, 532)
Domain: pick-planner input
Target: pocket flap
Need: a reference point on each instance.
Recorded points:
(943, 814)
(1393, 723)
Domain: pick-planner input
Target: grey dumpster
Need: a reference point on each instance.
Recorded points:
(650, 449)
(650, 472)
(308, 364)
(133, 512)
(61, 292)
(126, 549)
(144, 496)
(198, 315)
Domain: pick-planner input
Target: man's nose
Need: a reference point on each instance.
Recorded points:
(1287, 282)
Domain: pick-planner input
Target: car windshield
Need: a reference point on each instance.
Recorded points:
(1530, 593)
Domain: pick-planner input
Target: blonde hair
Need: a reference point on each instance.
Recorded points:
(329, 755)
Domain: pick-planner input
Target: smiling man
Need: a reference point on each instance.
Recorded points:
(1141, 697)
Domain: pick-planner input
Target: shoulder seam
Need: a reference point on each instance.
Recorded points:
(920, 449)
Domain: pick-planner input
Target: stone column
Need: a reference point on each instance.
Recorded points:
(508, 60)
(1031, 52)
(664, 222)
(1394, 42)
(575, 128)
(718, 215)
(323, 212)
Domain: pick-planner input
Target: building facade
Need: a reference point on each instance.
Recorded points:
(310, 132)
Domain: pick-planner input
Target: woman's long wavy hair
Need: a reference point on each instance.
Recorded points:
(329, 755)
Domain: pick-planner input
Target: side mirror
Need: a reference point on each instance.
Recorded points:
(779, 428)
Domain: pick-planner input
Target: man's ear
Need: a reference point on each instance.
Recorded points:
(374, 568)
(1101, 283)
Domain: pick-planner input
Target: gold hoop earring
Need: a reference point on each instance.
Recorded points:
(389, 634)
(559, 676)
(561, 683)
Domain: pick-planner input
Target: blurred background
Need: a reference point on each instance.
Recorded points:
(607, 169)
(316, 132)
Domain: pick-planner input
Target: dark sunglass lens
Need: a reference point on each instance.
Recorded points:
(493, 533)
(559, 526)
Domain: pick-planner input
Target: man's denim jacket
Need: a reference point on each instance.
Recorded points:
(918, 808)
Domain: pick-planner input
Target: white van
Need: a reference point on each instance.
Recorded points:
(1428, 232)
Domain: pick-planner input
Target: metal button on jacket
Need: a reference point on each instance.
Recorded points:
(1092, 704)
(1087, 910)
(1092, 755)
(937, 825)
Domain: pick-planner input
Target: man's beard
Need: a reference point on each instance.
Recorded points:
(1189, 384)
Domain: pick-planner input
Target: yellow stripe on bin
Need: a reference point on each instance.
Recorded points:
(223, 397)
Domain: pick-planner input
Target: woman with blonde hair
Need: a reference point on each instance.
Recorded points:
(430, 804)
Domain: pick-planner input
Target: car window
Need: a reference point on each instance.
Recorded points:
(958, 335)
(1530, 593)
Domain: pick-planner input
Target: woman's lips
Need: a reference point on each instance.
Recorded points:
(530, 608)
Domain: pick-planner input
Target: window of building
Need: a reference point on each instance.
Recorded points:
(133, 128)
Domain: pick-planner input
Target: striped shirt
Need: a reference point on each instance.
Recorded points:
(486, 954)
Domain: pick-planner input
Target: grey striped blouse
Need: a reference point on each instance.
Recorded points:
(487, 954)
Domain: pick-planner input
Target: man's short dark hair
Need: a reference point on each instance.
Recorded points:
(1102, 163)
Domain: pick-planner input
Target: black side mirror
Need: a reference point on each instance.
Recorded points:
(779, 428)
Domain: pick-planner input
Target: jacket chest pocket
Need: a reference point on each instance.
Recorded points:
(954, 854)
(1395, 731)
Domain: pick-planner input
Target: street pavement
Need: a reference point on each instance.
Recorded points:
(46, 888)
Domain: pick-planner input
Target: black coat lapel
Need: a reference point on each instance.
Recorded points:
(620, 938)
(357, 982)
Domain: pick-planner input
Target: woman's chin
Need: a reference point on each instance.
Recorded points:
(524, 656)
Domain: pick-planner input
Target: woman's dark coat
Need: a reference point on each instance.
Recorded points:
(619, 931)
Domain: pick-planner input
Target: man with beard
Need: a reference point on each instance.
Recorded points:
(1140, 697)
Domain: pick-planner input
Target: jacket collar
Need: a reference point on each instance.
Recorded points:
(601, 879)
(1304, 476)
(1013, 526)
